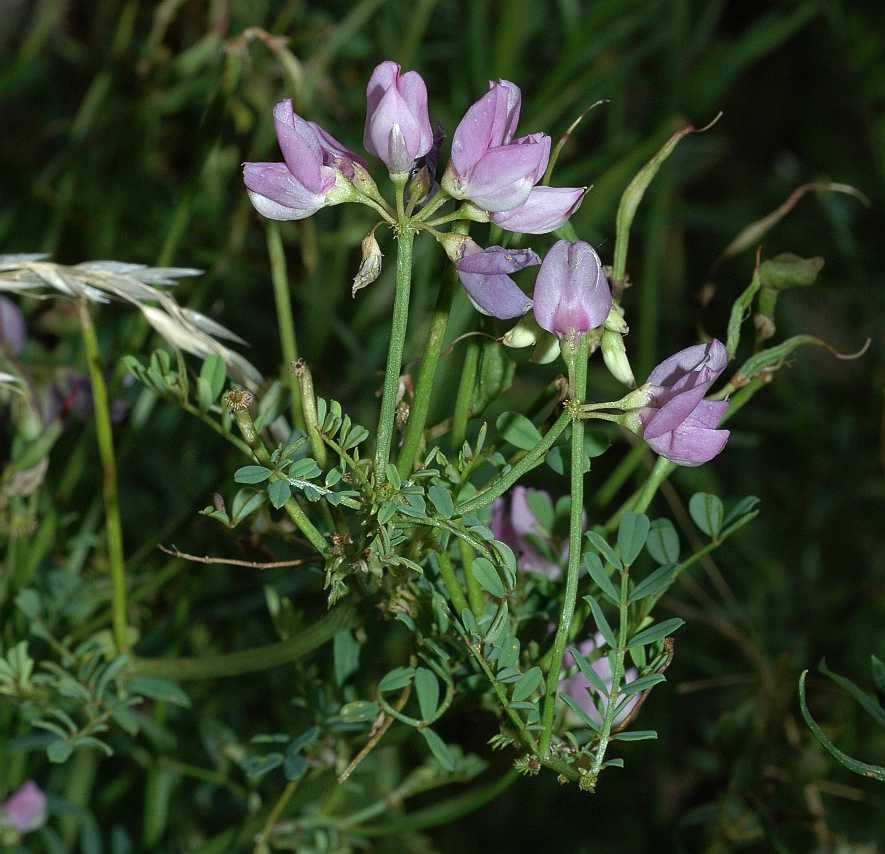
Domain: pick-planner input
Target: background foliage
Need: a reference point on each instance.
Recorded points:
(126, 124)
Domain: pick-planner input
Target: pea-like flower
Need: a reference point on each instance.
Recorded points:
(514, 523)
(572, 294)
(489, 167)
(25, 810)
(545, 210)
(12, 328)
(670, 412)
(398, 128)
(315, 173)
(485, 276)
(578, 687)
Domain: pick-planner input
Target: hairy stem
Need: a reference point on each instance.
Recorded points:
(465, 395)
(526, 464)
(398, 325)
(105, 439)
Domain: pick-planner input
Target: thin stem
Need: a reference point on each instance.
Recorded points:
(432, 206)
(309, 408)
(427, 374)
(661, 471)
(617, 665)
(465, 395)
(398, 325)
(474, 591)
(314, 537)
(286, 324)
(619, 476)
(450, 580)
(526, 464)
(578, 384)
(105, 439)
(275, 813)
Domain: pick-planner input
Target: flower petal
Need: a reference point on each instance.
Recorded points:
(545, 210)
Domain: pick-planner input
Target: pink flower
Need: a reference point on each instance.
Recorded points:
(25, 810)
(545, 210)
(484, 274)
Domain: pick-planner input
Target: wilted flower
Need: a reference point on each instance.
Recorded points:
(25, 810)
(545, 209)
(583, 693)
(315, 164)
(670, 411)
(370, 266)
(484, 274)
(398, 129)
(572, 295)
(488, 166)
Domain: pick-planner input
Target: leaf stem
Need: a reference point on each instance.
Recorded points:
(105, 440)
(465, 395)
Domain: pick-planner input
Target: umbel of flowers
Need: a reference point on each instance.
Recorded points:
(498, 177)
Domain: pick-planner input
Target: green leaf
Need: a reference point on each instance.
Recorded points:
(439, 749)
(518, 430)
(637, 686)
(707, 512)
(487, 577)
(360, 711)
(59, 751)
(251, 474)
(867, 701)
(393, 477)
(585, 718)
(632, 535)
(427, 689)
(555, 461)
(245, 502)
(527, 684)
(874, 772)
(601, 545)
(441, 498)
(636, 735)
(742, 508)
(210, 383)
(396, 679)
(279, 492)
(663, 541)
(304, 469)
(601, 622)
(655, 583)
(597, 572)
(541, 506)
(590, 674)
(656, 632)
(632, 196)
(159, 689)
(346, 652)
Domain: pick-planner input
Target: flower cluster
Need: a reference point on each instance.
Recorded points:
(497, 177)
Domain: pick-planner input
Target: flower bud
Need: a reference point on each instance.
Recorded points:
(418, 187)
(398, 129)
(572, 295)
(370, 266)
(524, 334)
(614, 354)
(615, 320)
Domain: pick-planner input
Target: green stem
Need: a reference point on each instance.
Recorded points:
(619, 476)
(450, 580)
(578, 384)
(105, 440)
(526, 464)
(309, 408)
(275, 813)
(617, 676)
(314, 537)
(286, 324)
(398, 325)
(251, 660)
(474, 591)
(661, 471)
(427, 374)
(433, 206)
(465, 395)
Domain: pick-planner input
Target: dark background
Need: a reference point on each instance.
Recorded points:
(123, 134)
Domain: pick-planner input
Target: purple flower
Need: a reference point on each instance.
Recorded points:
(25, 810)
(572, 294)
(12, 328)
(398, 126)
(674, 418)
(545, 210)
(300, 186)
(583, 693)
(514, 523)
(488, 166)
(484, 274)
